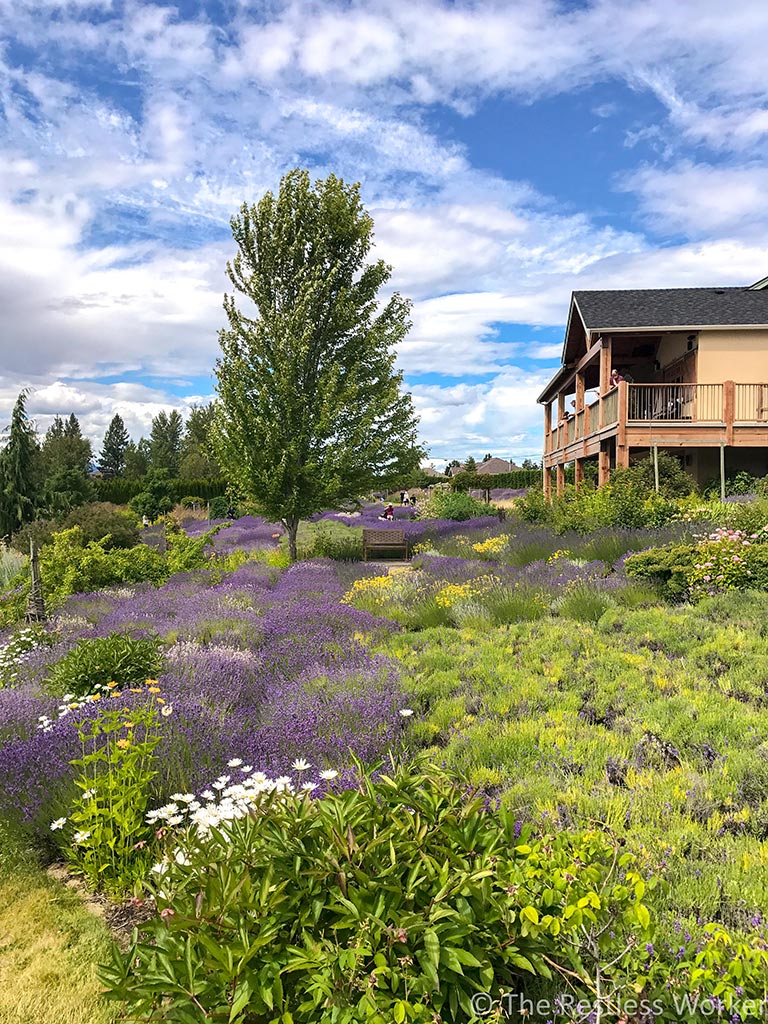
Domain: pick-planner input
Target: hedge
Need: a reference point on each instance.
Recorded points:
(491, 481)
(120, 491)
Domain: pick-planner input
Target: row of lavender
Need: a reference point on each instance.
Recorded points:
(268, 668)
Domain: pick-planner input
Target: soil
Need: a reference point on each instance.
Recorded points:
(120, 918)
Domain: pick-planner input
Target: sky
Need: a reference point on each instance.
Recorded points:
(509, 153)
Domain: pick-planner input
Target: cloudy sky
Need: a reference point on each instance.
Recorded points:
(509, 152)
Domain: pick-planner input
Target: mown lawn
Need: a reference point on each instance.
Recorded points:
(50, 945)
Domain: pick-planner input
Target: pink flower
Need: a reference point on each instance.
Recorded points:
(168, 912)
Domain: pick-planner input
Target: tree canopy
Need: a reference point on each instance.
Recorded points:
(310, 410)
(20, 471)
(116, 440)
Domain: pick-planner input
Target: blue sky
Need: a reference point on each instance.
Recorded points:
(509, 153)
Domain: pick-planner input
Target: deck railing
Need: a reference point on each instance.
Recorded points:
(696, 402)
(611, 407)
(750, 403)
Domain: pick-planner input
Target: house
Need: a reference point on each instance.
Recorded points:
(495, 465)
(694, 363)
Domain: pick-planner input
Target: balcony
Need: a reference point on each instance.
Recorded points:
(642, 415)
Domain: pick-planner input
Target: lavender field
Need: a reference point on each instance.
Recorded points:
(541, 671)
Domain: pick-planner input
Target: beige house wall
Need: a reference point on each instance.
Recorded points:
(671, 348)
(741, 356)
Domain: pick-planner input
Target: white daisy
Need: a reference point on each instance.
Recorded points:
(59, 823)
(328, 774)
(300, 765)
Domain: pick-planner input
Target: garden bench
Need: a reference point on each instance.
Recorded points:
(384, 540)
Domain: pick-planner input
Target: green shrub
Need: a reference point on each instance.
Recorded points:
(157, 497)
(221, 506)
(533, 507)
(341, 543)
(455, 505)
(100, 661)
(749, 516)
(11, 564)
(190, 501)
(583, 603)
(668, 568)
(394, 901)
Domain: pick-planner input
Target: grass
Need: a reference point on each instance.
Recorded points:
(10, 563)
(50, 944)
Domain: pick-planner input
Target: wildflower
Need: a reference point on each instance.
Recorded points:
(247, 768)
(153, 689)
(235, 762)
(309, 786)
(167, 710)
(300, 765)
(111, 685)
(167, 912)
(80, 837)
(328, 774)
(59, 823)
(123, 744)
(406, 712)
(88, 794)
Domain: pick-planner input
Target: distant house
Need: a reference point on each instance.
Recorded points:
(495, 465)
(693, 368)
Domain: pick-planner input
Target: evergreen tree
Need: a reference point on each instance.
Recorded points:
(116, 440)
(165, 441)
(20, 471)
(310, 411)
(64, 448)
(136, 459)
(470, 466)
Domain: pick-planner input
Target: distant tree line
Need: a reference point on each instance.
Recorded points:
(45, 478)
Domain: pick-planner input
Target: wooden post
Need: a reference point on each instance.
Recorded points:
(35, 603)
(603, 464)
(547, 479)
(656, 468)
(560, 415)
(547, 428)
(722, 472)
(578, 473)
(605, 374)
(729, 409)
(622, 452)
(560, 479)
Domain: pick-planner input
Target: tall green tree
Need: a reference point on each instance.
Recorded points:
(310, 411)
(20, 471)
(66, 459)
(116, 440)
(165, 441)
(470, 466)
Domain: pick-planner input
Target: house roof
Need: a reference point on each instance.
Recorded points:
(672, 307)
(496, 465)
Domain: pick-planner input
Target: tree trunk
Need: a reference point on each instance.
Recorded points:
(292, 526)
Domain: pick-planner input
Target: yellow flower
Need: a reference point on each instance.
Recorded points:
(153, 689)
(491, 546)
(112, 685)
(151, 682)
(123, 744)
(160, 700)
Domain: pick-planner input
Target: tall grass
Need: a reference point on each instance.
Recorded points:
(11, 562)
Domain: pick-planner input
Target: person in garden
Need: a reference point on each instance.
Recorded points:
(616, 377)
(389, 513)
(405, 499)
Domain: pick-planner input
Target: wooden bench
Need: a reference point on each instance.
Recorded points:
(384, 540)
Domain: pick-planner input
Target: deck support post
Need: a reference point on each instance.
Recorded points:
(578, 473)
(603, 464)
(546, 474)
(656, 468)
(605, 374)
(560, 479)
(722, 472)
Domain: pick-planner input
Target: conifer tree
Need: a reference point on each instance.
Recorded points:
(19, 471)
(116, 440)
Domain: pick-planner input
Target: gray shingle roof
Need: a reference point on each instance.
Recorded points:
(673, 307)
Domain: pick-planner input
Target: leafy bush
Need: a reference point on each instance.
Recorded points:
(456, 505)
(11, 564)
(395, 901)
(96, 520)
(221, 506)
(97, 662)
(190, 501)
(157, 497)
(667, 567)
(583, 603)
(341, 544)
(69, 565)
(105, 837)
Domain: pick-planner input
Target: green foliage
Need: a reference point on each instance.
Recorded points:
(750, 516)
(11, 564)
(198, 460)
(95, 663)
(674, 482)
(116, 440)
(106, 838)
(157, 497)
(20, 471)
(165, 442)
(667, 568)
(137, 461)
(488, 481)
(120, 491)
(332, 540)
(455, 505)
(583, 603)
(396, 901)
(221, 506)
(97, 520)
(190, 501)
(310, 411)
